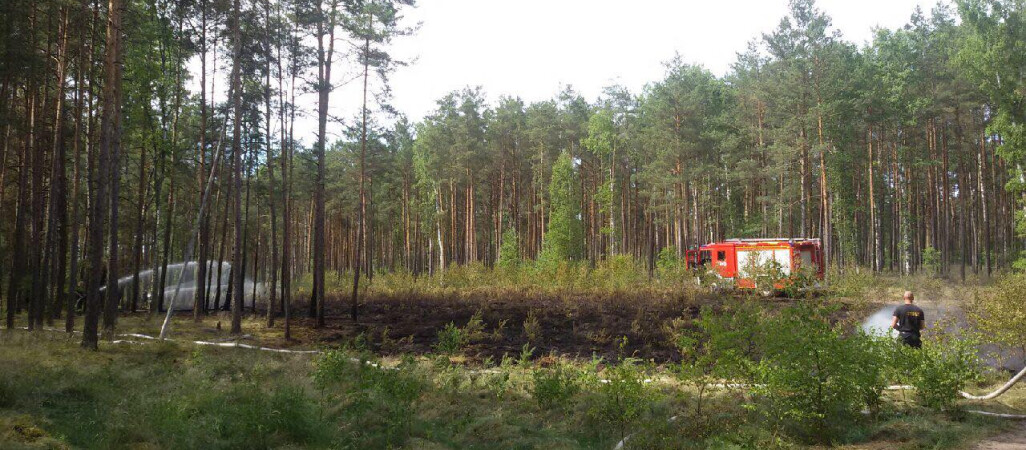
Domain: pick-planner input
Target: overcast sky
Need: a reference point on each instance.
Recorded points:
(529, 48)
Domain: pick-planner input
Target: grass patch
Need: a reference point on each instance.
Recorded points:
(438, 388)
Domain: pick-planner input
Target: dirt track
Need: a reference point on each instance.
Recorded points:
(1013, 440)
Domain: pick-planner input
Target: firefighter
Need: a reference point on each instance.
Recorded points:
(909, 320)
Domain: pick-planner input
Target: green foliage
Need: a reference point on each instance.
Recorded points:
(532, 327)
(331, 367)
(800, 283)
(991, 54)
(998, 312)
(380, 401)
(452, 339)
(618, 273)
(622, 400)
(815, 376)
(164, 395)
(698, 364)
(931, 260)
(946, 364)
(159, 396)
(811, 377)
(670, 266)
(509, 251)
(557, 387)
(730, 341)
(852, 283)
(765, 274)
(564, 234)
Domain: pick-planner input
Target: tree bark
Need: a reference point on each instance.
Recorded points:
(98, 209)
(324, 60)
(238, 268)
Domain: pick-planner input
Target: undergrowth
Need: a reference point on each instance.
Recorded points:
(801, 379)
(620, 273)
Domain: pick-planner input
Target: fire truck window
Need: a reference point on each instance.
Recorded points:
(721, 255)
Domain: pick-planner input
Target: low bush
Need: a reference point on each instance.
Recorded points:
(726, 344)
(998, 312)
(816, 377)
(452, 339)
(852, 282)
(618, 273)
(947, 363)
(622, 399)
(809, 377)
(532, 327)
(557, 387)
(509, 251)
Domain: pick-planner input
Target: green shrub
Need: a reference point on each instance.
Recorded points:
(378, 401)
(698, 364)
(532, 327)
(730, 341)
(851, 283)
(765, 274)
(931, 260)
(397, 392)
(668, 262)
(451, 339)
(815, 376)
(946, 364)
(617, 273)
(556, 387)
(564, 230)
(624, 397)
(509, 251)
(331, 367)
(800, 283)
(998, 312)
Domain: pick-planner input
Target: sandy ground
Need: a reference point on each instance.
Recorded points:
(1013, 440)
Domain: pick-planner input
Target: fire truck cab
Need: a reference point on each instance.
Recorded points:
(734, 259)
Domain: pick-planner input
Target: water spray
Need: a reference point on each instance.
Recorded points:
(165, 327)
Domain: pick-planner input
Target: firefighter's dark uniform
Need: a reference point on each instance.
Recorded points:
(910, 321)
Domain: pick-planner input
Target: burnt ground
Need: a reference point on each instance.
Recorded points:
(571, 324)
(577, 325)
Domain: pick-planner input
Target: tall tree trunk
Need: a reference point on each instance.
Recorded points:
(113, 299)
(324, 60)
(286, 218)
(58, 208)
(77, 219)
(37, 290)
(139, 221)
(98, 209)
(272, 298)
(200, 301)
(983, 200)
(354, 305)
(16, 290)
(238, 268)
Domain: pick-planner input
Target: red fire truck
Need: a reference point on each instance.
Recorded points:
(734, 259)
